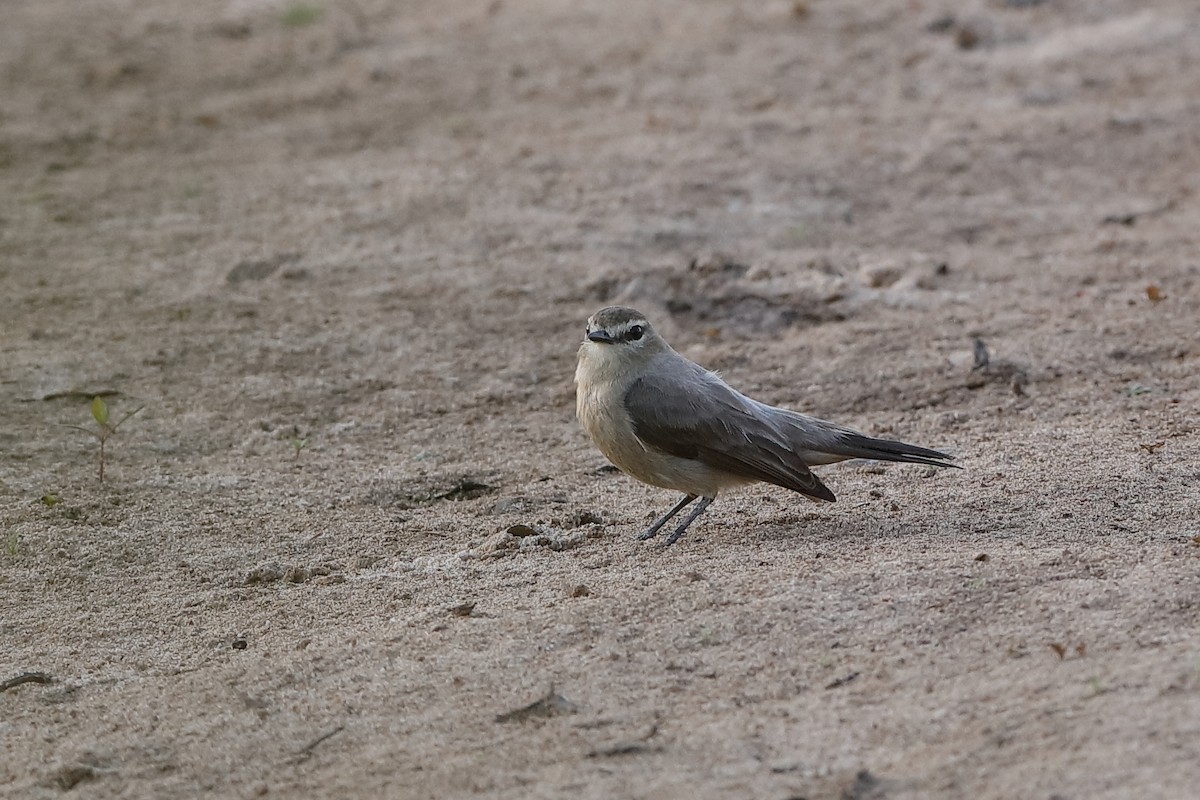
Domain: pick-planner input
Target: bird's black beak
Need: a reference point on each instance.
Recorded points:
(600, 336)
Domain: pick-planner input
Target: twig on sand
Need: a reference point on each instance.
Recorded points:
(25, 677)
(305, 752)
(549, 705)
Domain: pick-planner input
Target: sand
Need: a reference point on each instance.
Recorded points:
(355, 544)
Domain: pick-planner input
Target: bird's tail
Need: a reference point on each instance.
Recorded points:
(821, 442)
(855, 445)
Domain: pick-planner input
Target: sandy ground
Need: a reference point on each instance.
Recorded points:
(342, 255)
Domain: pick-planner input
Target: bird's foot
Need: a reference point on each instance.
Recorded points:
(653, 530)
(683, 526)
(674, 537)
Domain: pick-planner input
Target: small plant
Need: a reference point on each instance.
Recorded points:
(298, 443)
(105, 429)
(301, 14)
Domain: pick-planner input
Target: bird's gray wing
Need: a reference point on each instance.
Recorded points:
(694, 415)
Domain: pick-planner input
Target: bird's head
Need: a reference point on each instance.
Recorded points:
(619, 328)
(621, 333)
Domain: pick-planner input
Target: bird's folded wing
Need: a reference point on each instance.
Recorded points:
(700, 418)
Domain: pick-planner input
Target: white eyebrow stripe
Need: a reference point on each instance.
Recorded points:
(621, 328)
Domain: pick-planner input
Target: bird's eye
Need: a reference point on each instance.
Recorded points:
(635, 332)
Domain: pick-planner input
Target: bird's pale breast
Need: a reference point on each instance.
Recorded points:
(600, 406)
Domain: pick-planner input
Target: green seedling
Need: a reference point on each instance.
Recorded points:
(301, 14)
(298, 444)
(104, 428)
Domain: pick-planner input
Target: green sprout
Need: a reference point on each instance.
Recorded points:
(301, 14)
(104, 429)
(298, 444)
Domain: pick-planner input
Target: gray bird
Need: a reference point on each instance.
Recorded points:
(673, 424)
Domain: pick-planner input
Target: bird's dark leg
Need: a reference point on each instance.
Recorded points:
(653, 529)
(683, 526)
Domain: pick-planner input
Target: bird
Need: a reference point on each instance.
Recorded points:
(669, 422)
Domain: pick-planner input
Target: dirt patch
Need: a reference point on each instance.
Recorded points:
(356, 544)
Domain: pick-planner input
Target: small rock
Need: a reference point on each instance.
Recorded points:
(509, 505)
(941, 24)
(71, 775)
(880, 275)
(533, 542)
(551, 705)
(568, 542)
(499, 544)
(465, 489)
(581, 518)
(580, 591)
(967, 37)
(297, 574)
(981, 355)
(712, 261)
(463, 609)
(264, 573)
